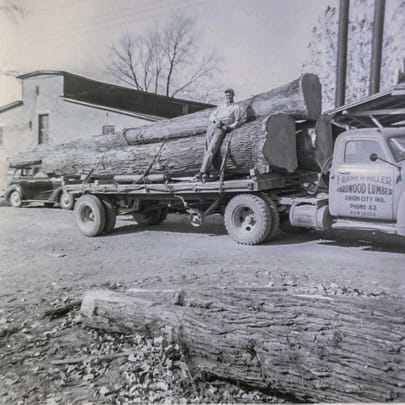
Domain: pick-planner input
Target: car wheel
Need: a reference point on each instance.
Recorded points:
(66, 201)
(15, 199)
(90, 215)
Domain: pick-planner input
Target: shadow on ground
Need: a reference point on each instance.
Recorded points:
(366, 240)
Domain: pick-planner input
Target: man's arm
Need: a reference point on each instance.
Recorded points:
(214, 116)
(240, 117)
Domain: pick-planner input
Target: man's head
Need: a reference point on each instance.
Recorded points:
(229, 95)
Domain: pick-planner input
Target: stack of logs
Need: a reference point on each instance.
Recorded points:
(284, 131)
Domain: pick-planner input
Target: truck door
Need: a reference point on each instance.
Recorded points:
(360, 188)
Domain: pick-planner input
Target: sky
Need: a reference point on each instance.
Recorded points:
(263, 42)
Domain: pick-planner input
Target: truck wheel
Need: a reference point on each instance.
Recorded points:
(90, 215)
(15, 199)
(111, 216)
(248, 219)
(66, 201)
(275, 216)
(153, 217)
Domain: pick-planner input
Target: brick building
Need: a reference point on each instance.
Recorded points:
(59, 106)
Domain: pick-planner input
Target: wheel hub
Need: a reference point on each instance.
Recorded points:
(245, 219)
(87, 215)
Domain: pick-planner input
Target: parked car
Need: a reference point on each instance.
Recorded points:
(28, 184)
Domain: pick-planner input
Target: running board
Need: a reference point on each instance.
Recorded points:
(386, 227)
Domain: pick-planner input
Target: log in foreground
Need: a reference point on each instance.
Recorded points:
(300, 98)
(315, 348)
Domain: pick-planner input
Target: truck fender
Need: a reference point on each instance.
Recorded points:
(401, 215)
(12, 188)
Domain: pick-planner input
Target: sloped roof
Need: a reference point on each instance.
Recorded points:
(94, 92)
(10, 106)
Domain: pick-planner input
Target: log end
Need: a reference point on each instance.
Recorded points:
(312, 90)
(280, 149)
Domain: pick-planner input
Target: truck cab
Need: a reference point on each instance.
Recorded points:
(367, 177)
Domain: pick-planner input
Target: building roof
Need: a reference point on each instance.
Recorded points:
(10, 106)
(93, 92)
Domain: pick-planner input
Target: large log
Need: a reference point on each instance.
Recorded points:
(314, 348)
(181, 156)
(300, 98)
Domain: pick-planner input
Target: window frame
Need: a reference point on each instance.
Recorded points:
(380, 151)
(108, 129)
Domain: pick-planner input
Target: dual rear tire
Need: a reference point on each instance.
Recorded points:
(95, 216)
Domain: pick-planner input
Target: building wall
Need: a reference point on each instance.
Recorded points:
(14, 138)
(67, 121)
(74, 121)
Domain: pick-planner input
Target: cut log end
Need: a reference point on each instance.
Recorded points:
(311, 88)
(280, 147)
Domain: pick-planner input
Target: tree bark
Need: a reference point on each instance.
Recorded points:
(182, 156)
(315, 348)
(300, 98)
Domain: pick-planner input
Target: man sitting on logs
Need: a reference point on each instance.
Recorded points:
(224, 119)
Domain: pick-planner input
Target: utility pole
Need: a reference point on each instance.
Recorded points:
(376, 46)
(341, 62)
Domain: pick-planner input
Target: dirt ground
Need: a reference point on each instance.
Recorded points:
(46, 263)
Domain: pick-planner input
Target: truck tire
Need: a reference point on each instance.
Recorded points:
(111, 215)
(66, 201)
(248, 219)
(15, 199)
(90, 215)
(275, 216)
(152, 217)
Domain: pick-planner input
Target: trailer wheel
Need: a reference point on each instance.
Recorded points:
(15, 199)
(111, 215)
(275, 216)
(66, 201)
(152, 217)
(248, 219)
(90, 215)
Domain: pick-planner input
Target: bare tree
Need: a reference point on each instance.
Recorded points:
(164, 61)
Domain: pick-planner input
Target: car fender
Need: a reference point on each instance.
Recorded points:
(12, 188)
(401, 215)
(56, 194)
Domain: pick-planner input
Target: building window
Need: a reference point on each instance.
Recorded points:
(37, 90)
(43, 129)
(1, 135)
(108, 129)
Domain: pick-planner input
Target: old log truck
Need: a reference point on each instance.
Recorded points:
(361, 186)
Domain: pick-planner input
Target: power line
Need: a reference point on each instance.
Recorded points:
(134, 16)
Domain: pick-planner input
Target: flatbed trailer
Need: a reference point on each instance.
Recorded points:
(250, 204)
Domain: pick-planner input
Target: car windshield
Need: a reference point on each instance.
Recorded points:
(397, 146)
